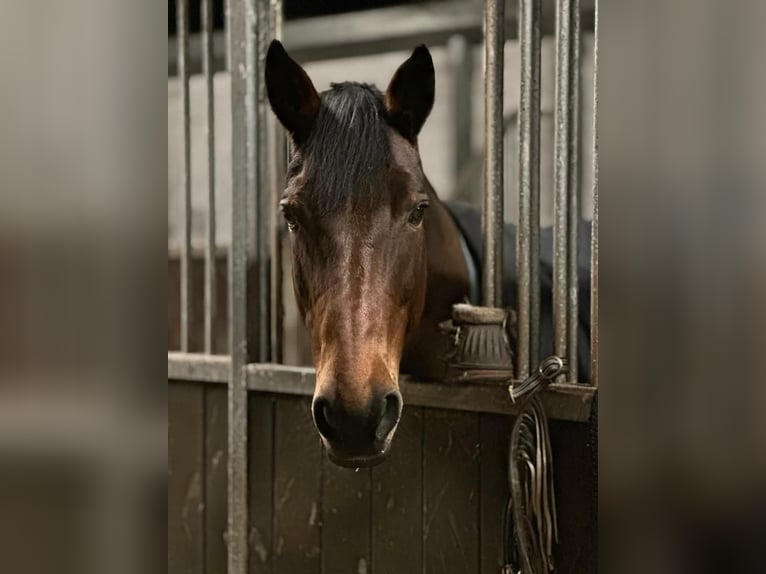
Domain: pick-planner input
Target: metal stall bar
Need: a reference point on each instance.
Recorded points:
(182, 27)
(210, 253)
(277, 170)
(594, 230)
(528, 235)
(262, 179)
(242, 97)
(561, 159)
(494, 40)
(252, 169)
(227, 33)
(573, 189)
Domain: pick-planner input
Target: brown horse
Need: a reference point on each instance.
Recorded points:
(377, 258)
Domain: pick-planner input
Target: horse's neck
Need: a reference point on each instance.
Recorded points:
(447, 272)
(447, 284)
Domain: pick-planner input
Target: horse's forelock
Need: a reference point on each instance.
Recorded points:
(347, 156)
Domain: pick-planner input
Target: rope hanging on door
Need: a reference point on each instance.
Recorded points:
(530, 527)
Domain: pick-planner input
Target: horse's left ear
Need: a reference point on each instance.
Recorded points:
(410, 94)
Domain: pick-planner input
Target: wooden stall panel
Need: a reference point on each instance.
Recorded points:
(215, 478)
(495, 434)
(397, 500)
(260, 446)
(346, 515)
(297, 488)
(186, 465)
(451, 492)
(575, 482)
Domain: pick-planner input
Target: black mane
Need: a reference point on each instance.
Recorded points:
(346, 157)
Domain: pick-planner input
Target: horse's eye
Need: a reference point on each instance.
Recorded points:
(292, 222)
(287, 213)
(416, 215)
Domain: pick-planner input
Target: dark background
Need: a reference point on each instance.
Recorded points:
(293, 9)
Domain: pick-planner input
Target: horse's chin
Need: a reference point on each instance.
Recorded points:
(358, 461)
(373, 457)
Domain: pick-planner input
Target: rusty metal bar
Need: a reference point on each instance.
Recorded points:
(573, 190)
(528, 171)
(182, 27)
(494, 40)
(594, 230)
(242, 98)
(277, 171)
(510, 158)
(210, 253)
(561, 159)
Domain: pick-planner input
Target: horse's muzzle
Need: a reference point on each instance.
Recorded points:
(358, 437)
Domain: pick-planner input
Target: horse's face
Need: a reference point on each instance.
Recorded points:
(355, 204)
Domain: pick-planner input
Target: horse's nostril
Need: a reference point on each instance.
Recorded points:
(391, 413)
(323, 417)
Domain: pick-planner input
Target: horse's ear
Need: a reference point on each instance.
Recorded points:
(292, 96)
(410, 94)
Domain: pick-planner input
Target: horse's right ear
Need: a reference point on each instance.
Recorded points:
(292, 96)
(410, 94)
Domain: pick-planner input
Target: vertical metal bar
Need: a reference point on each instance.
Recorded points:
(494, 41)
(256, 15)
(182, 28)
(210, 252)
(594, 230)
(261, 182)
(561, 160)
(251, 163)
(574, 189)
(461, 58)
(241, 112)
(510, 155)
(278, 167)
(528, 234)
(227, 28)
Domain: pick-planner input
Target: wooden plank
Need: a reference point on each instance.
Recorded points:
(297, 487)
(186, 367)
(561, 401)
(495, 433)
(215, 479)
(575, 482)
(260, 444)
(564, 401)
(397, 500)
(346, 514)
(185, 478)
(450, 492)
